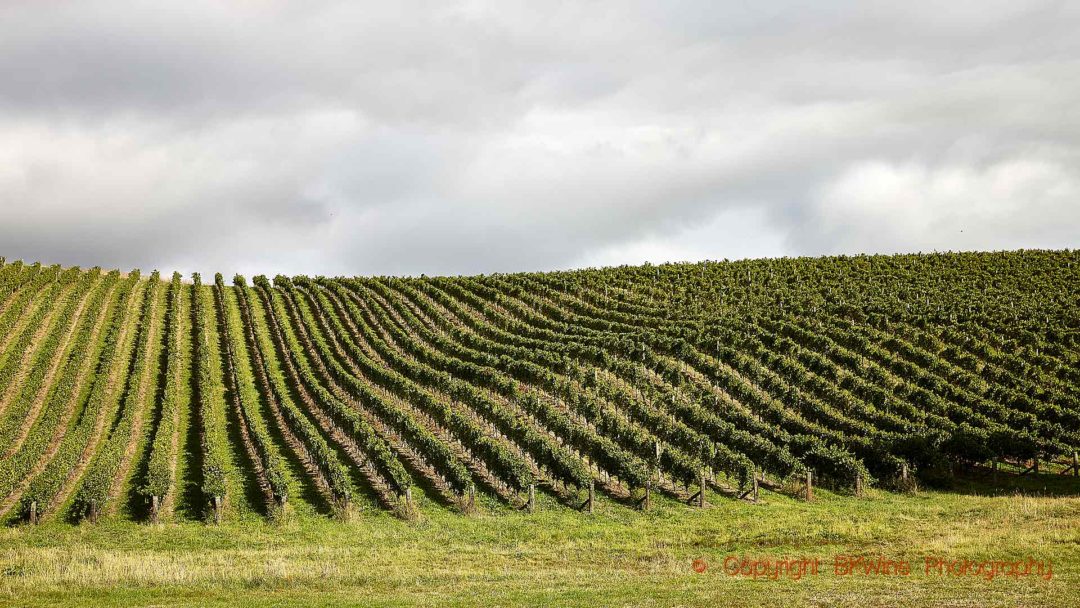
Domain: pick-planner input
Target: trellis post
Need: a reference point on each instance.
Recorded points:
(701, 484)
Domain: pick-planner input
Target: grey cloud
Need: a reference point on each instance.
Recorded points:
(432, 137)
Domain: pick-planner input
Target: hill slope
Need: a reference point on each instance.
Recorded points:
(172, 399)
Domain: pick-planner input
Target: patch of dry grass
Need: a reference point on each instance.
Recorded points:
(556, 557)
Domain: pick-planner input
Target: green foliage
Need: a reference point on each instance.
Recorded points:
(277, 390)
(77, 445)
(175, 395)
(103, 470)
(852, 367)
(242, 387)
(45, 291)
(56, 399)
(210, 397)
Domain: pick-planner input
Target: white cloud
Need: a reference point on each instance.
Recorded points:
(334, 137)
(883, 207)
(732, 234)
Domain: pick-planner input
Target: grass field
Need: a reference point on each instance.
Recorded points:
(558, 557)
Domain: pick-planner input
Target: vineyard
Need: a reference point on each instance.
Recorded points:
(154, 398)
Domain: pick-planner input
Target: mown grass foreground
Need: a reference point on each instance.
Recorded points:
(558, 557)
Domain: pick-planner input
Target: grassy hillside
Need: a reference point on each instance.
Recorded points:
(298, 404)
(557, 557)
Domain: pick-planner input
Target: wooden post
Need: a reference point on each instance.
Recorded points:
(33, 512)
(472, 497)
(217, 510)
(1076, 466)
(903, 471)
(154, 509)
(648, 495)
(282, 501)
(592, 496)
(701, 494)
(532, 498)
(93, 515)
(858, 485)
(1035, 465)
(408, 495)
(756, 485)
(809, 485)
(994, 467)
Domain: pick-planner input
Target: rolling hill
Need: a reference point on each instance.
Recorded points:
(152, 398)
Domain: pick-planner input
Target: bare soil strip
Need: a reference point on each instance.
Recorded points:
(23, 314)
(291, 440)
(169, 502)
(39, 335)
(233, 385)
(69, 409)
(145, 384)
(57, 359)
(475, 465)
(118, 370)
(543, 479)
(604, 479)
(395, 441)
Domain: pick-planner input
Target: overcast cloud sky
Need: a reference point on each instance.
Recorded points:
(467, 137)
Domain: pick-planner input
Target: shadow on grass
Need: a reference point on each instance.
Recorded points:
(980, 480)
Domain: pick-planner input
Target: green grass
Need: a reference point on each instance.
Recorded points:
(559, 557)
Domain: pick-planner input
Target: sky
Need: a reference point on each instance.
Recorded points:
(349, 138)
